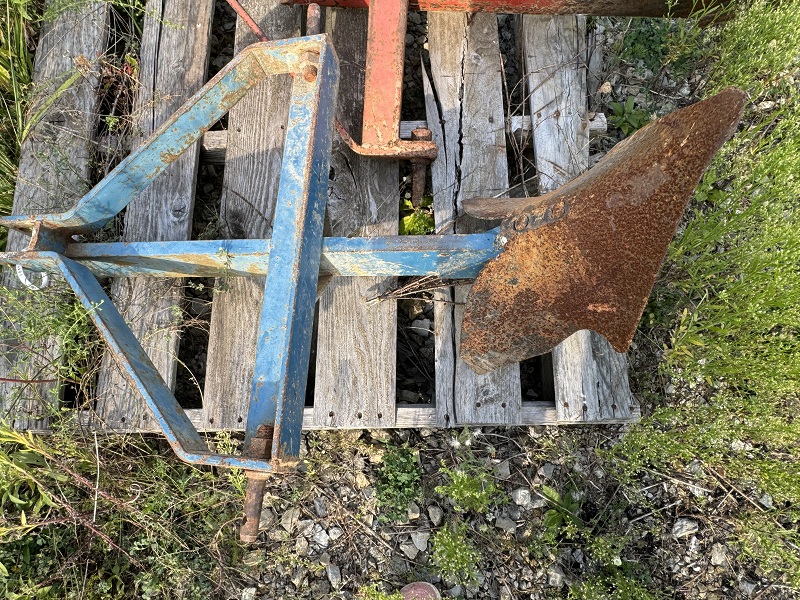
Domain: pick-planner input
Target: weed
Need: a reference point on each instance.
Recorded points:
(416, 221)
(136, 517)
(371, 592)
(56, 312)
(627, 118)
(612, 587)
(455, 557)
(645, 40)
(562, 516)
(470, 486)
(398, 482)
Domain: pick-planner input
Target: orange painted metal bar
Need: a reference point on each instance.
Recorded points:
(623, 8)
(383, 88)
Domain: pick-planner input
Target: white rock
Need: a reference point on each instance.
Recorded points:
(765, 501)
(413, 511)
(320, 507)
(335, 533)
(538, 501)
(422, 327)
(267, 519)
(684, 528)
(747, 587)
(409, 549)
(719, 556)
(248, 593)
(505, 524)
(420, 539)
(521, 497)
(361, 481)
(301, 546)
(298, 575)
(334, 576)
(555, 576)
(306, 527)
(547, 470)
(321, 538)
(408, 397)
(290, 518)
(502, 470)
(435, 514)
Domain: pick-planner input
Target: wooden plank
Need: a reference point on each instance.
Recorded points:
(407, 416)
(356, 342)
(256, 132)
(464, 105)
(173, 64)
(591, 381)
(54, 171)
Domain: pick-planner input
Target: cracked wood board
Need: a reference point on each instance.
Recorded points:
(591, 378)
(356, 342)
(464, 107)
(256, 133)
(173, 65)
(54, 171)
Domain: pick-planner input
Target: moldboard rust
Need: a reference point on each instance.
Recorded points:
(592, 268)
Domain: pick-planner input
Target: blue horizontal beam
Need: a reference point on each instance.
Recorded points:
(448, 256)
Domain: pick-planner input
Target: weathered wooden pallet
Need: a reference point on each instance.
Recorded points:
(356, 342)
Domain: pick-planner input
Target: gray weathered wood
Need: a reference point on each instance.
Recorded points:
(54, 171)
(465, 109)
(591, 380)
(256, 132)
(173, 66)
(216, 142)
(356, 342)
(407, 416)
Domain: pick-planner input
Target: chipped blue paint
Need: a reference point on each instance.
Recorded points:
(287, 314)
(448, 256)
(176, 134)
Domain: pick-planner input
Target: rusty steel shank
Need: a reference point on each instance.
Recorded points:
(586, 255)
(260, 447)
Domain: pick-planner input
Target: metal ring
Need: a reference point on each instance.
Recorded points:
(27, 282)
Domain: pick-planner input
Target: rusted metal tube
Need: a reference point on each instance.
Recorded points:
(260, 447)
(420, 170)
(313, 19)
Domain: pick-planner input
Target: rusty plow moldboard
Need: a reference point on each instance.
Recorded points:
(587, 255)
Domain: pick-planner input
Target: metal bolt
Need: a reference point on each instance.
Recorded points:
(420, 170)
(520, 223)
(310, 73)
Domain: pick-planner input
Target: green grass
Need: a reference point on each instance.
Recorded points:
(399, 484)
(16, 75)
(155, 528)
(731, 296)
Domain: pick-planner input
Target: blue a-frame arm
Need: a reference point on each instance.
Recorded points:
(293, 264)
(291, 260)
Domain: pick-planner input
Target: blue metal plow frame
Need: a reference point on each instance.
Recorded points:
(291, 260)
